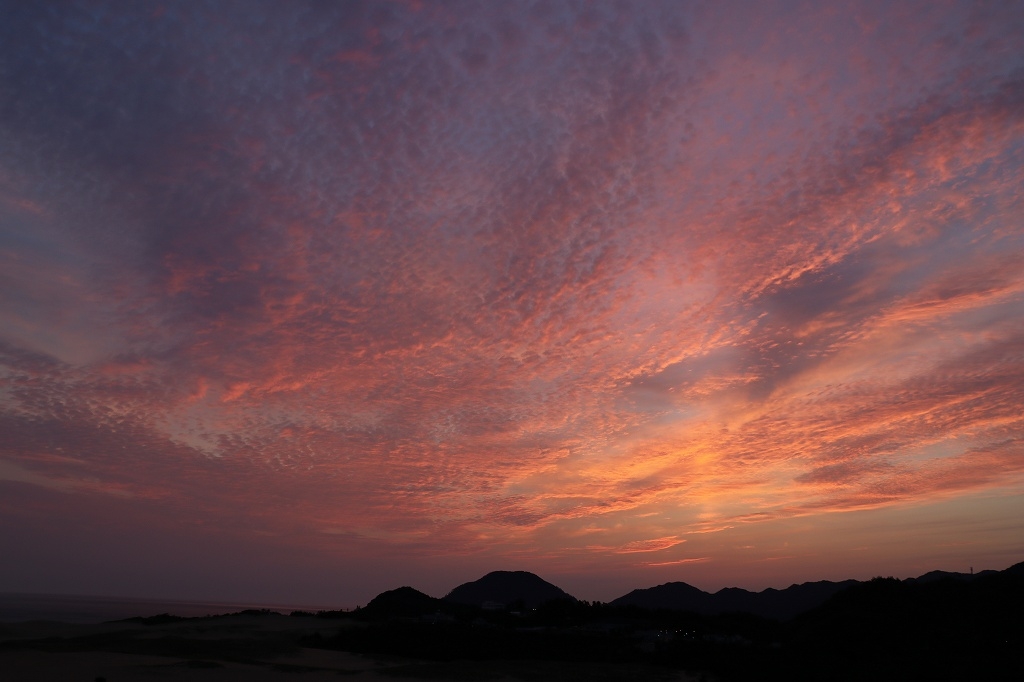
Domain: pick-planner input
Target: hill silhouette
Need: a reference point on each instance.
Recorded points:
(770, 603)
(522, 589)
(940, 625)
(507, 588)
(937, 626)
(948, 575)
(403, 602)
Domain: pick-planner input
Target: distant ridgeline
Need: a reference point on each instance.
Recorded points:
(513, 625)
(954, 626)
(770, 603)
(522, 590)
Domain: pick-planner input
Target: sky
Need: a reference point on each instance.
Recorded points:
(303, 301)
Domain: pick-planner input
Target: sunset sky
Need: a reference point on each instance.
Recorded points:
(300, 302)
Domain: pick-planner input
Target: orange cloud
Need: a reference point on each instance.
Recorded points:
(486, 283)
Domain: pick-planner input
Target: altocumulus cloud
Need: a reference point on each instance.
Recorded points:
(540, 281)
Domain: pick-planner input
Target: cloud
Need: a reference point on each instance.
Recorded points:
(679, 562)
(640, 546)
(470, 279)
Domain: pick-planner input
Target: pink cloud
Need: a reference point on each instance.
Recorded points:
(551, 285)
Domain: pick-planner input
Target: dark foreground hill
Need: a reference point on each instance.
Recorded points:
(504, 588)
(937, 627)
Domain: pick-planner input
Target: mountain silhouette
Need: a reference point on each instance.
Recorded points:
(931, 576)
(507, 588)
(503, 589)
(403, 602)
(677, 596)
(940, 625)
(769, 603)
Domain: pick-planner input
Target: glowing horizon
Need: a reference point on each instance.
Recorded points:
(303, 300)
